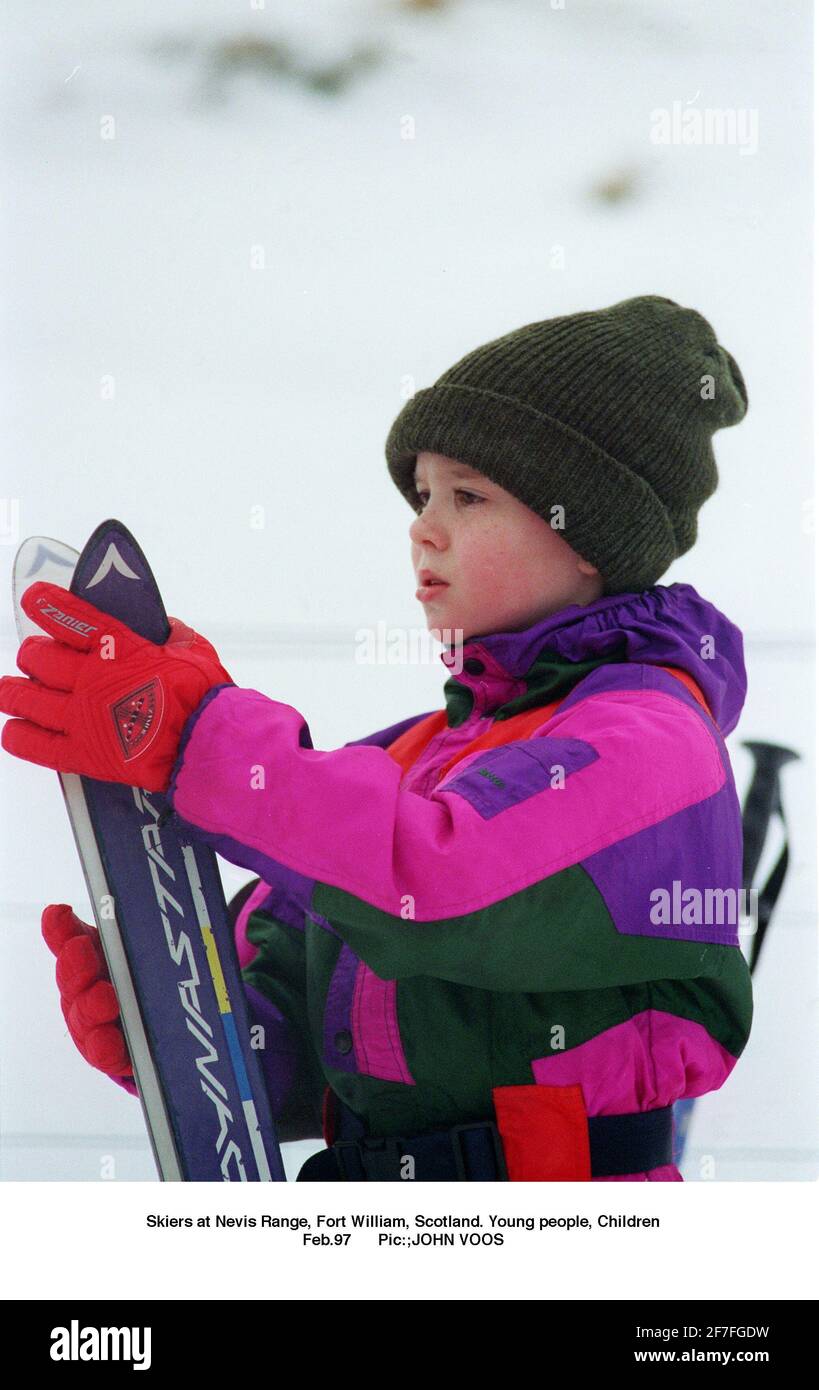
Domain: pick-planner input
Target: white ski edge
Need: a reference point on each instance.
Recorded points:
(145, 1074)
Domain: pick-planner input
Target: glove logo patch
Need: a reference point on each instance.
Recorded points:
(137, 718)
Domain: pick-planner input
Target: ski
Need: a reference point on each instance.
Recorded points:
(162, 917)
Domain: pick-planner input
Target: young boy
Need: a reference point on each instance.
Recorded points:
(482, 941)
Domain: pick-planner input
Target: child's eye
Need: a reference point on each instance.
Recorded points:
(459, 492)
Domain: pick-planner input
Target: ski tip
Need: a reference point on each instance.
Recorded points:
(113, 574)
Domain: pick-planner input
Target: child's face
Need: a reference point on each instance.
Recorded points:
(506, 568)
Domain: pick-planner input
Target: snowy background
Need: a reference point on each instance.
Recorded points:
(235, 237)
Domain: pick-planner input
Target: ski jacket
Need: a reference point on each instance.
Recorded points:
(537, 886)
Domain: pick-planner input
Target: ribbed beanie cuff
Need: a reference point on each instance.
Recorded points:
(544, 464)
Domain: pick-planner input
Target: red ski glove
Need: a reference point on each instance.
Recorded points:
(103, 701)
(87, 997)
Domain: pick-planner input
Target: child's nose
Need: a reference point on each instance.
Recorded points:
(426, 527)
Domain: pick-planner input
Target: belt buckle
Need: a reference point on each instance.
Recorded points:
(494, 1134)
(380, 1158)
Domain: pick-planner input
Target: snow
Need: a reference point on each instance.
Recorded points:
(130, 267)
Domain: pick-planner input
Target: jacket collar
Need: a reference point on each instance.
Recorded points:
(667, 625)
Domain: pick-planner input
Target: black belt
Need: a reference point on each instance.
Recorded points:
(618, 1144)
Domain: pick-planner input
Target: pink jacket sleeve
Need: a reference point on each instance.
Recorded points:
(248, 776)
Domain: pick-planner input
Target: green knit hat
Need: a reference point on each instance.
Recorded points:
(608, 413)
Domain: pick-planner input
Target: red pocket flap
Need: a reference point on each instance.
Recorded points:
(544, 1131)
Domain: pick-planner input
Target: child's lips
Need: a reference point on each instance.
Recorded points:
(431, 591)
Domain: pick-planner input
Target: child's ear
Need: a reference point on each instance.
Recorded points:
(586, 567)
